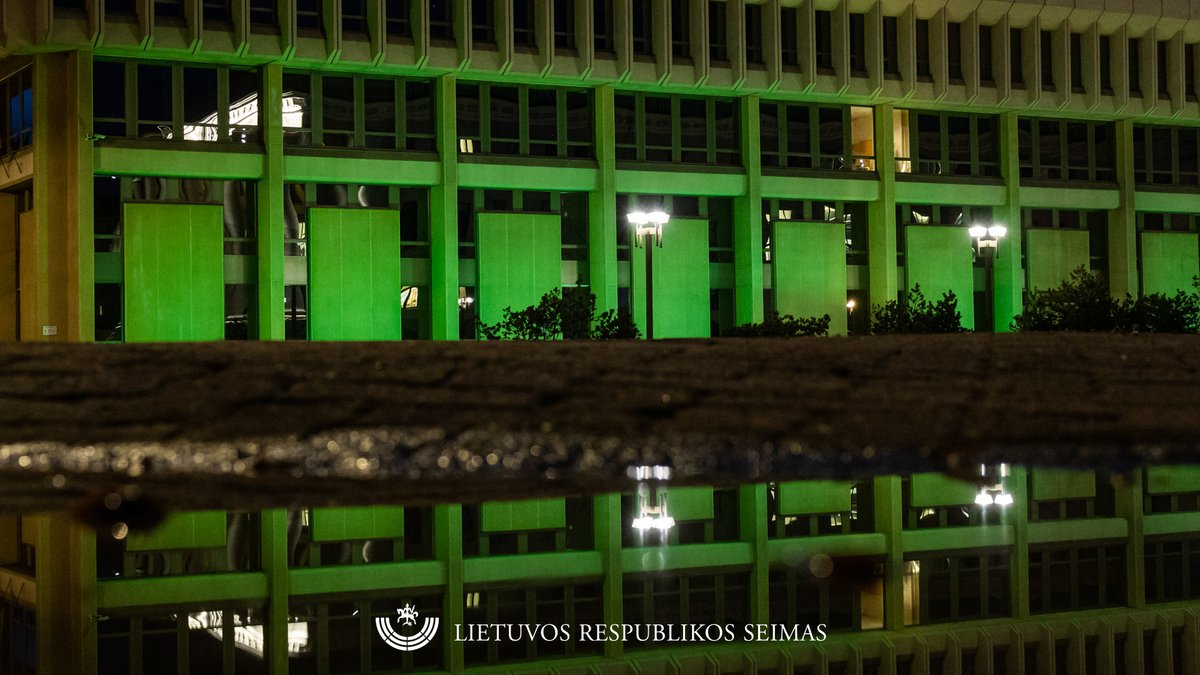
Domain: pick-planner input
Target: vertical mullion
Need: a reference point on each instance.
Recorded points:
(485, 118)
(177, 101)
(523, 120)
(360, 113)
(401, 116)
(639, 114)
(317, 104)
(131, 99)
(222, 103)
(560, 123)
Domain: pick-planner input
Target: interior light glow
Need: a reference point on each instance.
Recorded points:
(638, 218)
(662, 523)
(1004, 499)
(997, 231)
(977, 231)
(984, 499)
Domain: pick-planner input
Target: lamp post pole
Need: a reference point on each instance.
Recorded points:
(648, 226)
(987, 242)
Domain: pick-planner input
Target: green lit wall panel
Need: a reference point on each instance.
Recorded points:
(520, 260)
(353, 274)
(174, 288)
(1172, 479)
(935, 489)
(528, 514)
(1063, 484)
(690, 503)
(1170, 261)
(814, 496)
(197, 529)
(940, 259)
(809, 263)
(681, 281)
(357, 523)
(1051, 256)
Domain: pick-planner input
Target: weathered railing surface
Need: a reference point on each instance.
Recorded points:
(261, 424)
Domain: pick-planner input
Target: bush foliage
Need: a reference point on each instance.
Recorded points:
(1083, 303)
(786, 325)
(557, 316)
(917, 315)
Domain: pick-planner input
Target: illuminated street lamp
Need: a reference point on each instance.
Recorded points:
(648, 225)
(991, 490)
(651, 498)
(987, 244)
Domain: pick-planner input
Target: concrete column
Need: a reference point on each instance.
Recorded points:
(57, 259)
(66, 595)
(275, 559)
(602, 205)
(1122, 221)
(881, 213)
(747, 221)
(606, 517)
(1017, 515)
(270, 205)
(1130, 507)
(443, 218)
(448, 550)
(752, 528)
(1008, 274)
(889, 520)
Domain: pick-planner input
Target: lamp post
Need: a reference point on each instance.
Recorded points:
(648, 225)
(987, 242)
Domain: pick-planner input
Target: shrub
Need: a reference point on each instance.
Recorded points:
(776, 325)
(1083, 303)
(916, 314)
(572, 317)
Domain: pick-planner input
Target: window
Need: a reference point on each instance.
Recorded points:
(524, 121)
(483, 22)
(604, 25)
(1172, 569)
(1135, 67)
(1076, 63)
(824, 36)
(524, 25)
(217, 11)
(948, 144)
(708, 129)
(399, 19)
(168, 9)
(361, 112)
(954, 52)
(192, 637)
(858, 45)
(806, 136)
(1051, 149)
(788, 37)
(1016, 59)
(354, 16)
(342, 635)
(643, 27)
(114, 8)
(564, 25)
(1163, 72)
(1047, 56)
(441, 20)
(798, 597)
(754, 35)
(681, 28)
(202, 116)
(718, 37)
(684, 597)
(922, 48)
(891, 48)
(1106, 65)
(263, 13)
(958, 587)
(1189, 71)
(16, 112)
(1164, 155)
(1072, 578)
(308, 15)
(987, 76)
(578, 604)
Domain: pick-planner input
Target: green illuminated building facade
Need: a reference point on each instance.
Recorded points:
(397, 169)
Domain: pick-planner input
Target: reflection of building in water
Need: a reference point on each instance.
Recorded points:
(212, 170)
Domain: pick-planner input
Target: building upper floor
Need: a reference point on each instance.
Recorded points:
(1092, 58)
